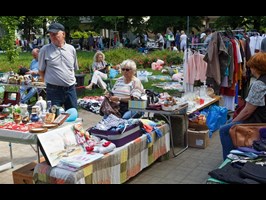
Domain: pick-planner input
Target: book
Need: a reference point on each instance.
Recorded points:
(60, 119)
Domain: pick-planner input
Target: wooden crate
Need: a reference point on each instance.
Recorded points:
(24, 175)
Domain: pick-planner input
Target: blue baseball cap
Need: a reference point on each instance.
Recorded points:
(55, 27)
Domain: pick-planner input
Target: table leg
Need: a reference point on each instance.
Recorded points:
(11, 154)
(168, 119)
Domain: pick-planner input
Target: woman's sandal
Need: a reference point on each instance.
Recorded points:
(88, 88)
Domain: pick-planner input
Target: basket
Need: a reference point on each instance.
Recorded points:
(210, 92)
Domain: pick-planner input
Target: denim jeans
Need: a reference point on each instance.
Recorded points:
(225, 138)
(62, 96)
(132, 114)
(26, 97)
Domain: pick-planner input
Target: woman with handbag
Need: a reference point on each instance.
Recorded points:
(255, 107)
(126, 87)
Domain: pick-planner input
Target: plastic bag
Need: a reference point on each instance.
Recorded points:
(113, 73)
(217, 117)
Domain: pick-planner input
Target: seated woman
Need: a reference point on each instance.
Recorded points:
(255, 108)
(125, 86)
(100, 71)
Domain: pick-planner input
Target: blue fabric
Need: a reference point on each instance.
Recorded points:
(225, 138)
(26, 97)
(158, 132)
(131, 114)
(236, 95)
(149, 138)
(34, 66)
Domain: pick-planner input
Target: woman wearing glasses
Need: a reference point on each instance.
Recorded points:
(126, 86)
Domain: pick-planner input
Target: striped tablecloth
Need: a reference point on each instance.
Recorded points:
(115, 167)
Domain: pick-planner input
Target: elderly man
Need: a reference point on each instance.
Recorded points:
(57, 65)
(34, 72)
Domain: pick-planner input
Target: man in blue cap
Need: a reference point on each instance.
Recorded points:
(57, 65)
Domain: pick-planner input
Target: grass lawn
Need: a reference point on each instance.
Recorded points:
(114, 57)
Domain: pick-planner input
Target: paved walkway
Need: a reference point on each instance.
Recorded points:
(190, 167)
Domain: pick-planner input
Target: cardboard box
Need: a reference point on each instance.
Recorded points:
(198, 139)
(24, 175)
(137, 104)
(197, 127)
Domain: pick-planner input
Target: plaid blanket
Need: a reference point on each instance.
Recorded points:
(115, 167)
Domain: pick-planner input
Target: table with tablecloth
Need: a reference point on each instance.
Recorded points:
(115, 167)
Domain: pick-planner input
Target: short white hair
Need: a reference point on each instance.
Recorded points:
(129, 63)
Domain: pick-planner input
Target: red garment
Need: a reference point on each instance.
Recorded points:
(147, 128)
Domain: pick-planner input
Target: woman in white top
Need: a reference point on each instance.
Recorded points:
(183, 41)
(160, 41)
(100, 71)
(126, 86)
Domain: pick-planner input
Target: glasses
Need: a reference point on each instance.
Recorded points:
(124, 69)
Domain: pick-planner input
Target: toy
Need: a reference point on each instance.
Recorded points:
(158, 65)
(178, 77)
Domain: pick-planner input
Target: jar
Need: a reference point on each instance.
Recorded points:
(34, 117)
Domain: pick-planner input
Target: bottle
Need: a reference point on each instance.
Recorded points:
(203, 89)
(49, 106)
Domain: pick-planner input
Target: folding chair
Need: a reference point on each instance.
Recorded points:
(108, 81)
(11, 98)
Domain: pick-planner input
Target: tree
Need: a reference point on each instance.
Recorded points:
(160, 23)
(7, 41)
(113, 20)
(70, 23)
(234, 22)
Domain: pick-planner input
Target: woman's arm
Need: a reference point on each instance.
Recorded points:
(247, 111)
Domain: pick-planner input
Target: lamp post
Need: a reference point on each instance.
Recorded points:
(187, 30)
(187, 25)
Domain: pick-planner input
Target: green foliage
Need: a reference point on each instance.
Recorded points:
(234, 22)
(169, 58)
(113, 56)
(79, 34)
(76, 35)
(9, 24)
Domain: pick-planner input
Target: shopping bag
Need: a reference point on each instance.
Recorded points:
(170, 38)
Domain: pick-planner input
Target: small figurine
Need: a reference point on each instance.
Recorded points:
(42, 104)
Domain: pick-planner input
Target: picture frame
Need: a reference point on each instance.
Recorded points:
(49, 118)
(59, 143)
(60, 119)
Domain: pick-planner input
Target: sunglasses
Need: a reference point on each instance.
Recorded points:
(124, 69)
